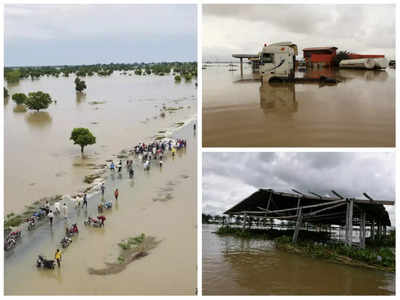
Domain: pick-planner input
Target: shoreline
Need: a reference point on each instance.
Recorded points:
(319, 248)
(15, 221)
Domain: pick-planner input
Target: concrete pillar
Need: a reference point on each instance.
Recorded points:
(244, 221)
(379, 231)
(373, 230)
(349, 223)
(362, 229)
(298, 225)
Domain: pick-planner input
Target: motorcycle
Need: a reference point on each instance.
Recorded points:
(9, 243)
(72, 230)
(45, 263)
(15, 235)
(32, 222)
(65, 242)
(94, 222)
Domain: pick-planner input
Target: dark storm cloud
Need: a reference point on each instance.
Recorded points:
(244, 28)
(230, 177)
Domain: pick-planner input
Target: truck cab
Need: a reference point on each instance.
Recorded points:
(277, 61)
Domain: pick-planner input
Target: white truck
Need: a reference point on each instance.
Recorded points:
(277, 61)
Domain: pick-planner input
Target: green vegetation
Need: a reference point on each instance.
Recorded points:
(80, 85)
(90, 178)
(82, 137)
(19, 98)
(178, 78)
(38, 100)
(132, 242)
(12, 75)
(379, 258)
(184, 69)
(319, 245)
(6, 93)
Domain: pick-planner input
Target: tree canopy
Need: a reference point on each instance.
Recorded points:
(82, 137)
(19, 98)
(38, 100)
(80, 85)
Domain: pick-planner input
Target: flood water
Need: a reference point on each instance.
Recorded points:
(234, 266)
(40, 160)
(169, 269)
(357, 112)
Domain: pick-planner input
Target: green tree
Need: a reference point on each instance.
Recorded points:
(340, 56)
(38, 100)
(178, 78)
(80, 85)
(12, 75)
(19, 98)
(5, 93)
(82, 137)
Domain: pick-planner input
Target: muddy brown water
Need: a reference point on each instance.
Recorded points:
(357, 112)
(39, 158)
(234, 266)
(169, 268)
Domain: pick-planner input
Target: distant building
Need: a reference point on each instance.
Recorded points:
(319, 57)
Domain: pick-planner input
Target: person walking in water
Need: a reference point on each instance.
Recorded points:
(84, 200)
(102, 188)
(65, 211)
(51, 216)
(57, 256)
(112, 166)
(116, 194)
(57, 207)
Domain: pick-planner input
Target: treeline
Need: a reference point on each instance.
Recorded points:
(186, 70)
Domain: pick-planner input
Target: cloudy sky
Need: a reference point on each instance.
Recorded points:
(87, 34)
(230, 177)
(361, 29)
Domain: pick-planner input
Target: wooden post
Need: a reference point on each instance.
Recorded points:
(298, 225)
(362, 228)
(241, 66)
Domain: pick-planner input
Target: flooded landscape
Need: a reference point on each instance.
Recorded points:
(238, 111)
(120, 110)
(169, 265)
(241, 266)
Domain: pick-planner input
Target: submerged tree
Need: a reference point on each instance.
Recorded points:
(12, 75)
(38, 100)
(19, 98)
(82, 137)
(80, 85)
(340, 56)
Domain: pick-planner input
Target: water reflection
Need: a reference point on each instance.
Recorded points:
(80, 97)
(19, 108)
(278, 97)
(39, 119)
(367, 75)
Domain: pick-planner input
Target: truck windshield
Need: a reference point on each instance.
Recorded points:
(268, 58)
